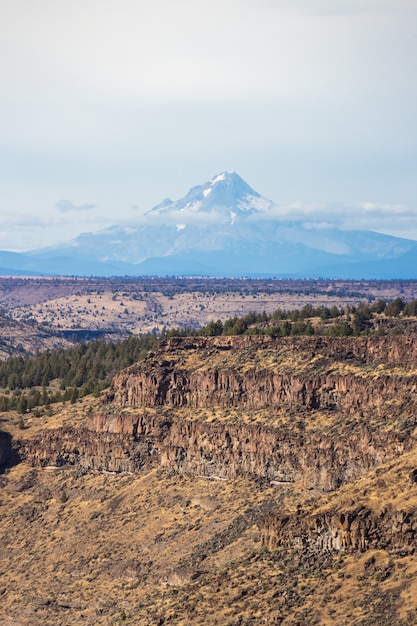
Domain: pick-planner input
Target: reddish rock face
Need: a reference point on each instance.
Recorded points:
(364, 378)
(130, 443)
(230, 372)
(162, 380)
(351, 530)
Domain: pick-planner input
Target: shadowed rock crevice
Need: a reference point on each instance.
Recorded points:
(7, 455)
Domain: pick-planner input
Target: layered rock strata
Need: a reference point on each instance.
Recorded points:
(364, 377)
(350, 530)
(360, 375)
(131, 442)
(147, 421)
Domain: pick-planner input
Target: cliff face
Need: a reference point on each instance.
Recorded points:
(358, 376)
(325, 466)
(355, 375)
(129, 442)
(350, 530)
(81, 447)
(368, 385)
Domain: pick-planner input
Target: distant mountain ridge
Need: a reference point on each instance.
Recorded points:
(222, 228)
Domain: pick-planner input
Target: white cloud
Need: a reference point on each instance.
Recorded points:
(367, 215)
(366, 209)
(398, 219)
(66, 205)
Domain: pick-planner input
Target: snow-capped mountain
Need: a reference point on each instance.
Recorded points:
(226, 194)
(223, 228)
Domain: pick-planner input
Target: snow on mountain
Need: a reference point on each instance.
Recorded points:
(226, 195)
(224, 228)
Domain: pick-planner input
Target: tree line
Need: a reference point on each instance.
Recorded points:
(89, 367)
(85, 368)
(339, 321)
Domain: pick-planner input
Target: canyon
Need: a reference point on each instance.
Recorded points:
(148, 418)
(322, 428)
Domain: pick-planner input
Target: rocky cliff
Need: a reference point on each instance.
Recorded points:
(367, 387)
(362, 376)
(350, 530)
(310, 515)
(129, 442)
(5, 449)
(372, 379)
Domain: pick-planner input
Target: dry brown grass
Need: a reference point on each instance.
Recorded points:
(152, 548)
(283, 361)
(102, 543)
(63, 414)
(141, 311)
(83, 547)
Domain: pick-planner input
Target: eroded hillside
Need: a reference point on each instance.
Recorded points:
(230, 480)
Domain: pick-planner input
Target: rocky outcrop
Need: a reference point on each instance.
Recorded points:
(351, 378)
(350, 530)
(292, 375)
(361, 389)
(130, 442)
(81, 447)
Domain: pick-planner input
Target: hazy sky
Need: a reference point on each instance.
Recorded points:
(108, 107)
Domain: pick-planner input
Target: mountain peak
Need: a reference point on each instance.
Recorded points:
(230, 178)
(226, 194)
(223, 228)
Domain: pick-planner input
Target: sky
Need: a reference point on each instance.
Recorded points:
(107, 107)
